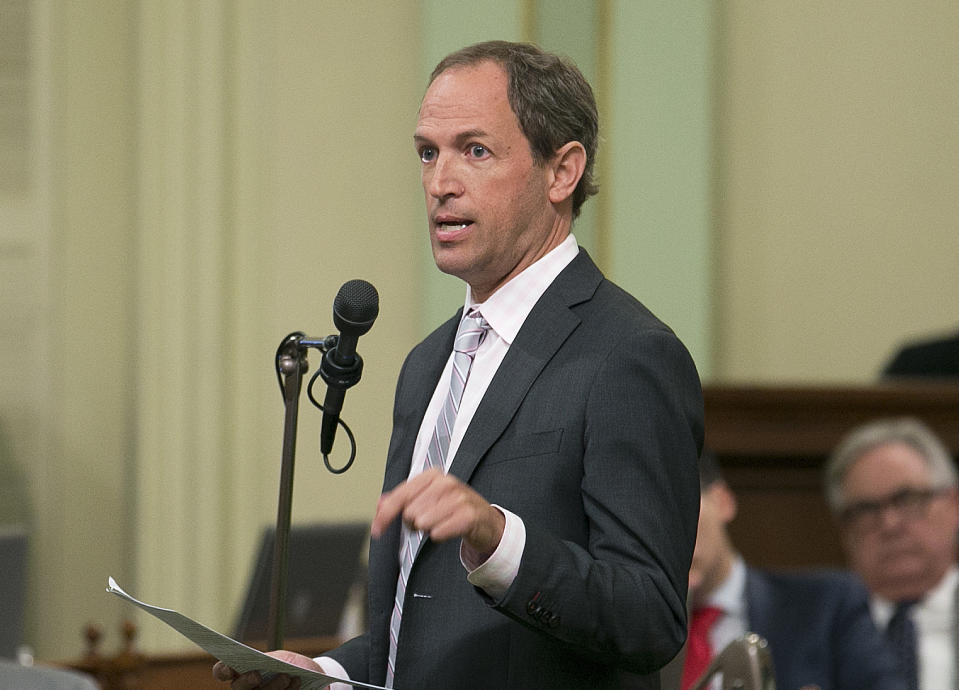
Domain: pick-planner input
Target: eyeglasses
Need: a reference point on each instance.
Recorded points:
(910, 503)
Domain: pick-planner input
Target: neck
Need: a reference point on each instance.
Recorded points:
(714, 578)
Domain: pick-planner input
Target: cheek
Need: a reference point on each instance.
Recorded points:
(941, 527)
(860, 550)
(949, 516)
(940, 539)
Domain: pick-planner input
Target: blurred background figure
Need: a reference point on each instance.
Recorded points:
(892, 485)
(927, 358)
(817, 623)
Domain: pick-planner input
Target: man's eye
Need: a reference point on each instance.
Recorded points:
(427, 154)
(478, 151)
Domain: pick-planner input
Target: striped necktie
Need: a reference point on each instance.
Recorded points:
(470, 335)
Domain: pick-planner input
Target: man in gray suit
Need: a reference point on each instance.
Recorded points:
(892, 484)
(548, 513)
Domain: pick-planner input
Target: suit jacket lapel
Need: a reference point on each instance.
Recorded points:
(546, 328)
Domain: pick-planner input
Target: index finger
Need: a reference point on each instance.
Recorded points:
(389, 507)
(392, 503)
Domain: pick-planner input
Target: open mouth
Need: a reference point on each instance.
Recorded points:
(450, 229)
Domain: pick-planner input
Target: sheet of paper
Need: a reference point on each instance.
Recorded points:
(236, 655)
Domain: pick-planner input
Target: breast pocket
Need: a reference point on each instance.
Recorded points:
(532, 474)
(526, 446)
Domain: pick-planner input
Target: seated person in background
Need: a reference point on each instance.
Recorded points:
(817, 623)
(892, 485)
(926, 358)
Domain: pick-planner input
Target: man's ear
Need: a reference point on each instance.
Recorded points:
(566, 168)
(726, 500)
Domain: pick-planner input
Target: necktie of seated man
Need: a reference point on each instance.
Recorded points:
(470, 335)
(901, 634)
(698, 650)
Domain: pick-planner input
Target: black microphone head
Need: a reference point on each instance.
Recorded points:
(355, 307)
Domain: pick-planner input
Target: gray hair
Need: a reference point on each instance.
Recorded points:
(862, 439)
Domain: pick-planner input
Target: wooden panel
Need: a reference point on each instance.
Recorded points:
(809, 421)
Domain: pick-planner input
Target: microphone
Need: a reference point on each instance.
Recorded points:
(355, 308)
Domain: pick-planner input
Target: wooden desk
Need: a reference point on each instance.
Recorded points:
(772, 443)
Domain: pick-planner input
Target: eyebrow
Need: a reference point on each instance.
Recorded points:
(459, 140)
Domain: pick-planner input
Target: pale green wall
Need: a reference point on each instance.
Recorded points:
(659, 170)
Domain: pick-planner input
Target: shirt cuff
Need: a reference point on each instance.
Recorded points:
(498, 572)
(332, 667)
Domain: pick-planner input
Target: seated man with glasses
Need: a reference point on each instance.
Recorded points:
(893, 487)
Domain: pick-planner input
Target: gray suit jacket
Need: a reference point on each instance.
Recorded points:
(590, 432)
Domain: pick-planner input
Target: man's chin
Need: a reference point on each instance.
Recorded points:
(907, 581)
(450, 262)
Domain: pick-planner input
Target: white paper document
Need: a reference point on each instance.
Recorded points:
(236, 655)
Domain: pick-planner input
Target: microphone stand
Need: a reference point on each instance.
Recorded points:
(354, 310)
(291, 363)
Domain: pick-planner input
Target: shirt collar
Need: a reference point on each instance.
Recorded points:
(730, 594)
(507, 308)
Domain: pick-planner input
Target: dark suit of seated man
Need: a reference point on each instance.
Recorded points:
(817, 623)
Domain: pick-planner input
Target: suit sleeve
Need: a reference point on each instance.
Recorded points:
(618, 595)
(354, 656)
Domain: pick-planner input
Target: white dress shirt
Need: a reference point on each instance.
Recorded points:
(730, 598)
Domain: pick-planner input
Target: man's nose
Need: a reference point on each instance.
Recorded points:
(891, 517)
(444, 178)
